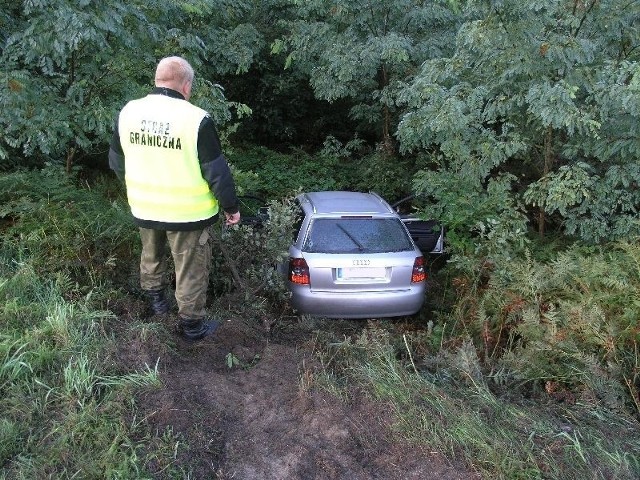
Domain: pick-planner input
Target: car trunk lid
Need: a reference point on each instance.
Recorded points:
(388, 271)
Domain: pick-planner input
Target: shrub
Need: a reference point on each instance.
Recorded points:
(247, 258)
(280, 175)
(67, 225)
(565, 327)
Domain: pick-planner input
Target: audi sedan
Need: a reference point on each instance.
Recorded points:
(354, 258)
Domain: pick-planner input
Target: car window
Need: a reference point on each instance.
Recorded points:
(356, 235)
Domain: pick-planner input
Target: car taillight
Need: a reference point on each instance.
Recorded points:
(298, 271)
(418, 274)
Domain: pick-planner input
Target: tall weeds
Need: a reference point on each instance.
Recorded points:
(567, 327)
(67, 225)
(449, 406)
(64, 400)
(60, 405)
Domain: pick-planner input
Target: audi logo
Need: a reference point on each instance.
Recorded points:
(361, 263)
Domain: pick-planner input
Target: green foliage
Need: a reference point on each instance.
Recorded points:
(534, 104)
(67, 64)
(354, 167)
(61, 391)
(251, 258)
(444, 403)
(70, 65)
(479, 217)
(67, 227)
(338, 166)
(597, 205)
(361, 51)
(276, 175)
(387, 175)
(223, 35)
(550, 86)
(60, 401)
(567, 325)
(509, 88)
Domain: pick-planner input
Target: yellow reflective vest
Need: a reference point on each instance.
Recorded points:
(159, 138)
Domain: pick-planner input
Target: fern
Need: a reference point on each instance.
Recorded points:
(67, 227)
(570, 320)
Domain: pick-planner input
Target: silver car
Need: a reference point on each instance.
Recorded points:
(354, 258)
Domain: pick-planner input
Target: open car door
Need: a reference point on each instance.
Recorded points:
(427, 234)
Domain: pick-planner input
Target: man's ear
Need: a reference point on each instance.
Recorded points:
(186, 89)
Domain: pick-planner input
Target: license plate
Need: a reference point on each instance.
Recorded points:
(348, 273)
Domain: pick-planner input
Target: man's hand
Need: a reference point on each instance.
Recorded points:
(232, 218)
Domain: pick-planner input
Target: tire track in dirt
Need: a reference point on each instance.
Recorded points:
(259, 423)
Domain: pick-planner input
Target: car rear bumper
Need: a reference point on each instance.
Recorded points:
(364, 304)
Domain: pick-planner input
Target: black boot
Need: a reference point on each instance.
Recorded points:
(159, 303)
(196, 328)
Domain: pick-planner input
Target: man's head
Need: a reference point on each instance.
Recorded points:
(175, 73)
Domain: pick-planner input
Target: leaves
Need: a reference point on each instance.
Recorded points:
(567, 187)
(543, 93)
(568, 321)
(356, 50)
(597, 207)
(546, 93)
(69, 67)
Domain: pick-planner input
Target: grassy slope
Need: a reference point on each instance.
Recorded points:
(66, 402)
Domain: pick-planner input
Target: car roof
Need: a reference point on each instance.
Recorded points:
(345, 203)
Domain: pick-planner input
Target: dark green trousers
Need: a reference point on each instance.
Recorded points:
(191, 252)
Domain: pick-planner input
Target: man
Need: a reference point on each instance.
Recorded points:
(168, 153)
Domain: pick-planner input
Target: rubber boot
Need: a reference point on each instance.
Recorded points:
(193, 329)
(159, 303)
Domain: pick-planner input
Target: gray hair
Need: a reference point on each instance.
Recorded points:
(173, 71)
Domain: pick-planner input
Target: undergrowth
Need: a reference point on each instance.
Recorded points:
(338, 167)
(248, 261)
(67, 398)
(62, 401)
(68, 226)
(446, 403)
(566, 327)
(528, 365)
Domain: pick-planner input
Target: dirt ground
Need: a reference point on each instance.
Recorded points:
(262, 418)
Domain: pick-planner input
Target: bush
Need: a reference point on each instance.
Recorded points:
(565, 327)
(67, 225)
(279, 175)
(247, 257)
(337, 167)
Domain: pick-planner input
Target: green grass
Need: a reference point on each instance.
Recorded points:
(67, 400)
(63, 406)
(453, 410)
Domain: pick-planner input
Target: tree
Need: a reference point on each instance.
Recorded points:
(363, 49)
(234, 38)
(70, 65)
(65, 64)
(546, 93)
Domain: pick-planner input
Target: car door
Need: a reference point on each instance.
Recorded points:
(427, 234)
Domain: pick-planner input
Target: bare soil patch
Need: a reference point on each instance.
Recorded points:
(262, 418)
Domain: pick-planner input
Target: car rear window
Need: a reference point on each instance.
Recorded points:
(355, 235)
